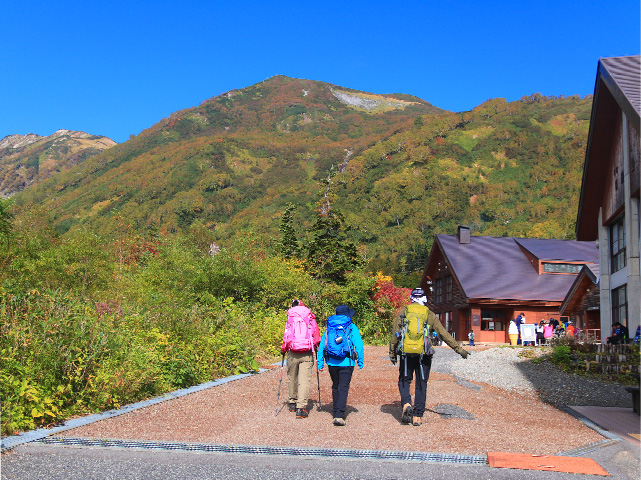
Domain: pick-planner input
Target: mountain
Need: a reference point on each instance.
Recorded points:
(407, 169)
(26, 160)
(504, 169)
(214, 160)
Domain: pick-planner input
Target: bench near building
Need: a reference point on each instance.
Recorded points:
(480, 283)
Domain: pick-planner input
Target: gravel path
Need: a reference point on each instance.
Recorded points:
(470, 410)
(506, 369)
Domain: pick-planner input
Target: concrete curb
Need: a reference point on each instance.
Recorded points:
(10, 442)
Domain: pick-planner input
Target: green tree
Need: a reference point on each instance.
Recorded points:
(330, 254)
(5, 219)
(289, 246)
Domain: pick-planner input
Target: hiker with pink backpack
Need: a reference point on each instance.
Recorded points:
(300, 341)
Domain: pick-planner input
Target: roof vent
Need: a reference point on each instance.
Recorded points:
(463, 234)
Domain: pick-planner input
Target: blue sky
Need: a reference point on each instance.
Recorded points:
(117, 67)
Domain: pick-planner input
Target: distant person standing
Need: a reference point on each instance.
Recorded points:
(540, 336)
(520, 319)
(410, 340)
(470, 337)
(300, 339)
(548, 331)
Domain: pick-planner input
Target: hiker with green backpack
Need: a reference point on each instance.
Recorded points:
(411, 341)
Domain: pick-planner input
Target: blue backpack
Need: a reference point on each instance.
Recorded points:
(338, 343)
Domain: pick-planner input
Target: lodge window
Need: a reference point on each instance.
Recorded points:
(492, 320)
(438, 291)
(448, 288)
(561, 267)
(620, 306)
(617, 245)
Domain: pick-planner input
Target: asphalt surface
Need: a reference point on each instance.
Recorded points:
(33, 461)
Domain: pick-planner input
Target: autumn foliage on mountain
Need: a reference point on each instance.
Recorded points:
(406, 169)
(26, 160)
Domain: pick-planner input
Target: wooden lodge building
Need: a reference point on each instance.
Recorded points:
(582, 303)
(609, 203)
(479, 283)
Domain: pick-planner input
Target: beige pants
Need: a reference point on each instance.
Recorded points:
(299, 377)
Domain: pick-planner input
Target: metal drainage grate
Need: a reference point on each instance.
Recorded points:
(265, 450)
(579, 452)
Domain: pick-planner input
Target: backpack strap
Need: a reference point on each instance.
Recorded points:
(402, 336)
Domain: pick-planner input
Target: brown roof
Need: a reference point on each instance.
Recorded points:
(622, 77)
(563, 250)
(587, 277)
(497, 268)
(617, 88)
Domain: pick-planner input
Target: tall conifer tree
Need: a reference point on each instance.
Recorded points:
(289, 246)
(330, 254)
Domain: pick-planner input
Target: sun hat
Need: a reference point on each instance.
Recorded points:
(344, 310)
(417, 292)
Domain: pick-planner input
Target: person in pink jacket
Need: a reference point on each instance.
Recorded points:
(300, 341)
(548, 331)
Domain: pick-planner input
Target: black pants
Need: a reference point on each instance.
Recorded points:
(341, 378)
(421, 370)
(616, 340)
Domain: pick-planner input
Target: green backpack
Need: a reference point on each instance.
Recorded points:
(414, 332)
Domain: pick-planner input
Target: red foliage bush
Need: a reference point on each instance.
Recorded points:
(388, 293)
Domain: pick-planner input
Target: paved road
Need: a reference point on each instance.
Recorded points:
(35, 462)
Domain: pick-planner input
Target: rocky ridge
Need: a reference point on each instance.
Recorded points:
(28, 159)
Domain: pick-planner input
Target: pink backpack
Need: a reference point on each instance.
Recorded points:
(299, 330)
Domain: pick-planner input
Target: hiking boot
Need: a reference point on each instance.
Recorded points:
(407, 413)
(339, 422)
(301, 413)
(292, 407)
(417, 421)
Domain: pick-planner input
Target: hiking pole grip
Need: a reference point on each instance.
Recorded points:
(282, 363)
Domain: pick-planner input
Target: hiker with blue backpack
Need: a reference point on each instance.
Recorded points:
(300, 341)
(341, 348)
(411, 341)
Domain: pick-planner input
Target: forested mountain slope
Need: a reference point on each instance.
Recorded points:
(407, 169)
(505, 169)
(214, 160)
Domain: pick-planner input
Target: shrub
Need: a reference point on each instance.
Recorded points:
(148, 318)
(561, 355)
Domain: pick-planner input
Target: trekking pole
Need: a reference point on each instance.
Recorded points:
(282, 362)
(317, 377)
